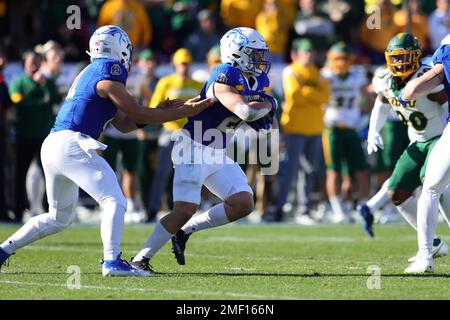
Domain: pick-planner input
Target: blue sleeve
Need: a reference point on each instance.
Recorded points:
(114, 71)
(226, 74)
(441, 54)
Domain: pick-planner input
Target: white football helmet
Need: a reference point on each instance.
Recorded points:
(113, 43)
(244, 48)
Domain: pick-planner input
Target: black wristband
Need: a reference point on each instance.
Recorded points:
(140, 125)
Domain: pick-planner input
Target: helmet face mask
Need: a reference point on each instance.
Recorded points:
(244, 48)
(402, 63)
(256, 58)
(113, 43)
(403, 55)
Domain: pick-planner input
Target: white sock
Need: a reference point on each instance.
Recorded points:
(337, 205)
(155, 242)
(379, 199)
(214, 217)
(111, 228)
(444, 205)
(131, 206)
(408, 211)
(427, 217)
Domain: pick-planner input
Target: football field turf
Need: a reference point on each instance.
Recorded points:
(241, 261)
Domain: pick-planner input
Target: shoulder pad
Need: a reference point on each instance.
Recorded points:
(226, 74)
(443, 52)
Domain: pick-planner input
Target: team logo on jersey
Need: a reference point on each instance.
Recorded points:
(221, 78)
(115, 69)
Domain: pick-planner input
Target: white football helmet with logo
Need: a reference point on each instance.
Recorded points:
(113, 43)
(244, 48)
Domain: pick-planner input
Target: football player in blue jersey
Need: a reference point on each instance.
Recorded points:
(237, 86)
(69, 156)
(437, 174)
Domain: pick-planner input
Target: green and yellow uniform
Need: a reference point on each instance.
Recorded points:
(426, 122)
(342, 147)
(33, 103)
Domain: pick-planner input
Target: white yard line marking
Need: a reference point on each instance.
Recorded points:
(171, 291)
(239, 269)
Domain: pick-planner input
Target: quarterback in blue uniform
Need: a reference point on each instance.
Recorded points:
(437, 174)
(69, 156)
(237, 87)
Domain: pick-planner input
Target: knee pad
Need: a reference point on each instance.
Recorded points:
(53, 221)
(434, 192)
(63, 216)
(114, 204)
(434, 189)
(114, 201)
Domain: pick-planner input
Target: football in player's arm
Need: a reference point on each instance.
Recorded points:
(69, 156)
(237, 87)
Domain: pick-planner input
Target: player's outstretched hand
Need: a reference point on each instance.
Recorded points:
(171, 103)
(195, 105)
(374, 142)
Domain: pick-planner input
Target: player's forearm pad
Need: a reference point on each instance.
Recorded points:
(247, 113)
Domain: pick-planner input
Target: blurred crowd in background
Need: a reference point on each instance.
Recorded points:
(175, 47)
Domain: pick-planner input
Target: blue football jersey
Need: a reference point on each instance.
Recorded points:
(84, 110)
(442, 55)
(219, 117)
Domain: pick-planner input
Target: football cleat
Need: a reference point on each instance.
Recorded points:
(121, 268)
(367, 216)
(440, 249)
(305, 220)
(4, 256)
(143, 265)
(179, 245)
(421, 265)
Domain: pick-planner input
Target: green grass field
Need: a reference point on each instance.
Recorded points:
(241, 261)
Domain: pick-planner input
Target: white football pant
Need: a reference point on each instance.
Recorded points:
(70, 161)
(437, 177)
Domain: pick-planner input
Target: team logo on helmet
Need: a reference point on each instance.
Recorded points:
(238, 37)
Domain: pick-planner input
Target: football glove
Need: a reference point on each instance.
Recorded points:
(374, 142)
